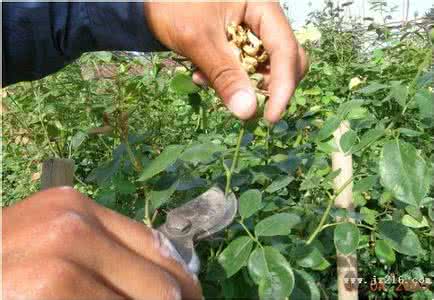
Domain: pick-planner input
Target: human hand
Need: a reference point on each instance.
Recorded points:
(198, 31)
(58, 244)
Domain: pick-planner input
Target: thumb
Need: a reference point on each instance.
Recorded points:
(218, 61)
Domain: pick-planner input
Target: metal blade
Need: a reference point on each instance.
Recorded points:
(199, 218)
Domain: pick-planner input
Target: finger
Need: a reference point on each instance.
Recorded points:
(221, 67)
(149, 244)
(303, 62)
(122, 269)
(283, 49)
(302, 67)
(61, 279)
(200, 79)
(84, 285)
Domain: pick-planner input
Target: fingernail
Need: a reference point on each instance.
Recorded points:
(243, 104)
(199, 79)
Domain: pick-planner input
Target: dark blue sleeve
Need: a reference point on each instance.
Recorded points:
(40, 38)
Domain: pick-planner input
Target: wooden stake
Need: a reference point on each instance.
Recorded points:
(57, 172)
(346, 264)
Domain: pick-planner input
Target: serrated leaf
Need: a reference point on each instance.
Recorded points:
(409, 221)
(400, 238)
(372, 88)
(235, 255)
(346, 237)
(159, 164)
(348, 140)
(369, 215)
(272, 272)
(305, 287)
(78, 139)
(183, 84)
(404, 172)
(330, 125)
(278, 224)
(124, 186)
(280, 127)
(310, 257)
(201, 153)
(250, 202)
(160, 197)
(368, 138)
(384, 252)
(103, 173)
(365, 184)
(279, 183)
(399, 93)
(409, 132)
(107, 198)
(424, 101)
(348, 107)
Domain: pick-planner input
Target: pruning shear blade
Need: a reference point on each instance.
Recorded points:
(199, 218)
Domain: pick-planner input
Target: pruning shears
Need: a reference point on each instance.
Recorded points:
(197, 219)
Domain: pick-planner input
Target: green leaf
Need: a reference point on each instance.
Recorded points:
(425, 104)
(409, 221)
(124, 186)
(235, 255)
(195, 101)
(400, 238)
(384, 252)
(104, 56)
(330, 125)
(404, 172)
(369, 215)
(183, 84)
(159, 164)
(349, 108)
(310, 257)
(278, 224)
(160, 197)
(409, 132)
(346, 237)
(372, 88)
(348, 140)
(368, 138)
(279, 183)
(107, 198)
(201, 153)
(78, 139)
(399, 93)
(272, 272)
(250, 202)
(304, 287)
(365, 184)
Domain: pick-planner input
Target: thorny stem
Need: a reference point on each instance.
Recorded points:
(332, 199)
(230, 171)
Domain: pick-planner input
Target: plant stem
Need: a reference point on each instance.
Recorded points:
(327, 211)
(234, 160)
(147, 220)
(249, 233)
(358, 225)
(267, 144)
(134, 160)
